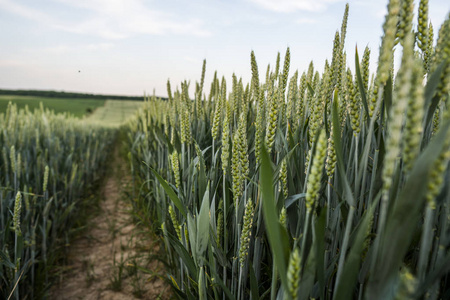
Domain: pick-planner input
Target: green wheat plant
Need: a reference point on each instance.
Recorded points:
(48, 162)
(324, 185)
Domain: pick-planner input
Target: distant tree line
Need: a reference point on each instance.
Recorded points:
(56, 94)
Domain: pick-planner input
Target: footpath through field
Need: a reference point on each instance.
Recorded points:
(114, 112)
(113, 259)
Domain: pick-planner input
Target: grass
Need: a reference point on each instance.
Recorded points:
(117, 275)
(76, 107)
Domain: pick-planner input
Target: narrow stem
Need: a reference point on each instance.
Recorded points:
(304, 235)
(16, 271)
(213, 157)
(182, 164)
(374, 172)
(240, 282)
(328, 205)
(225, 239)
(182, 274)
(426, 242)
(273, 288)
(383, 217)
(357, 182)
(327, 251)
(345, 244)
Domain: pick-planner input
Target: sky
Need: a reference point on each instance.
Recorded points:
(128, 47)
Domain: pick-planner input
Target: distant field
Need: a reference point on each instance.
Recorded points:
(77, 107)
(109, 112)
(115, 112)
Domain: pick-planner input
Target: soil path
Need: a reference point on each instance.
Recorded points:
(109, 260)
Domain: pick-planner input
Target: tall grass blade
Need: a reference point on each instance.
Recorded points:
(273, 227)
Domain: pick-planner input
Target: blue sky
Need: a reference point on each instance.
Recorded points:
(131, 46)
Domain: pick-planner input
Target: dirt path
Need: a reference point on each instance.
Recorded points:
(107, 262)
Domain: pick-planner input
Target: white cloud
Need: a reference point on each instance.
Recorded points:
(22, 10)
(286, 6)
(306, 21)
(112, 19)
(62, 49)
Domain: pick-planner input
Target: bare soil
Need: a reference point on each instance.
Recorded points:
(113, 259)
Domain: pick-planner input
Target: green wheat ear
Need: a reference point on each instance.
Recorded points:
(437, 174)
(365, 68)
(396, 116)
(200, 90)
(344, 25)
(336, 60)
(315, 175)
(169, 91)
(12, 157)
(225, 139)
(186, 234)
(428, 54)
(442, 54)
(255, 74)
(283, 177)
(414, 117)
(219, 230)
(300, 108)
(277, 65)
(422, 29)
(293, 275)
(272, 116)
(239, 159)
(176, 168)
(186, 136)
(175, 223)
(405, 20)
(292, 96)
(285, 74)
(246, 232)
(388, 41)
(44, 185)
(354, 106)
(19, 163)
(217, 119)
(283, 217)
(17, 213)
(330, 164)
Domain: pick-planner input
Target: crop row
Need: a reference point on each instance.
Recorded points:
(48, 163)
(322, 184)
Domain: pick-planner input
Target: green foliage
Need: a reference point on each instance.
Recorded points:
(358, 230)
(48, 163)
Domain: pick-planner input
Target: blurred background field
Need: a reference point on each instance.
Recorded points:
(76, 107)
(108, 112)
(115, 112)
